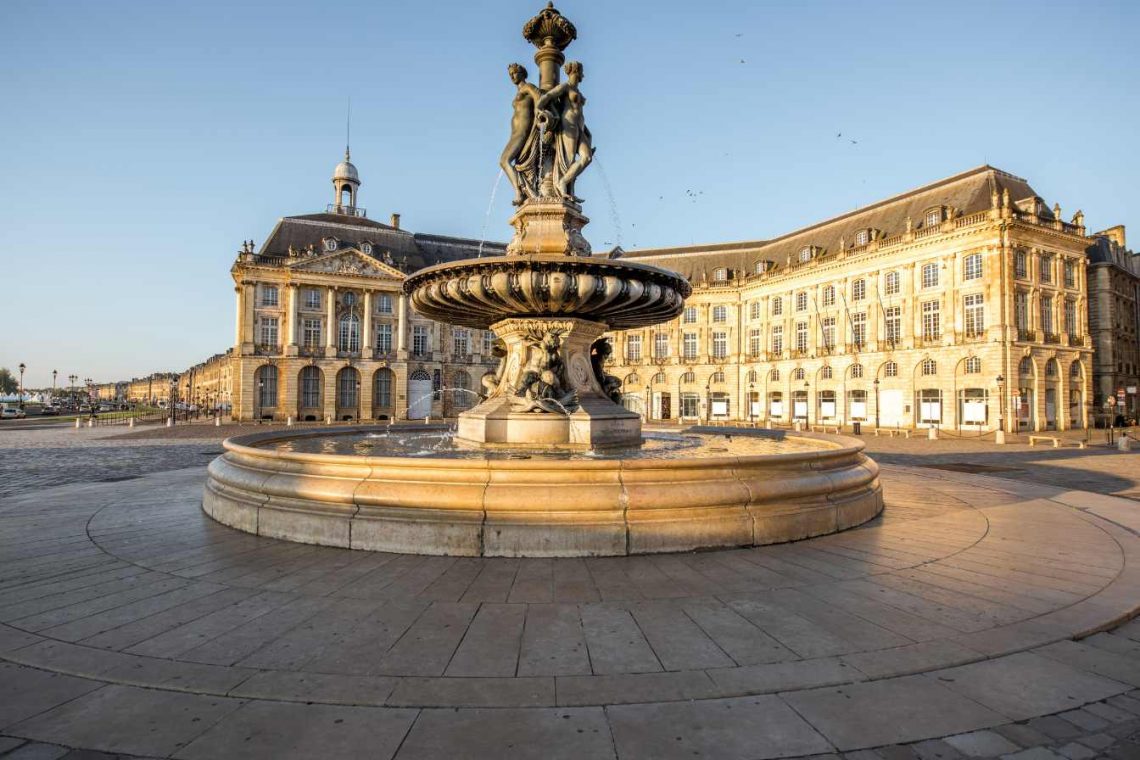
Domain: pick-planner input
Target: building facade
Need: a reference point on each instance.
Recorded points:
(1114, 321)
(324, 332)
(959, 305)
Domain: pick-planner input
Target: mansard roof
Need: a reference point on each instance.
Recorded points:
(408, 251)
(965, 193)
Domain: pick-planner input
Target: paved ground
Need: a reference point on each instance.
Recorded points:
(968, 621)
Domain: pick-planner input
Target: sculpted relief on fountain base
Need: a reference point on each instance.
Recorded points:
(550, 389)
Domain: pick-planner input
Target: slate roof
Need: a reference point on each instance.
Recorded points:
(409, 251)
(965, 193)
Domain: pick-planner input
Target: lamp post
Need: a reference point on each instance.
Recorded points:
(751, 410)
(54, 372)
(90, 401)
(22, 368)
(708, 403)
(74, 400)
(807, 403)
(648, 400)
(876, 384)
(999, 437)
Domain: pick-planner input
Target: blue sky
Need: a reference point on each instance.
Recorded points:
(141, 142)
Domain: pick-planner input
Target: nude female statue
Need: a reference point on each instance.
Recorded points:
(519, 155)
(575, 144)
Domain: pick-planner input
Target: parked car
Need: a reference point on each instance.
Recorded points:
(49, 411)
(12, 413)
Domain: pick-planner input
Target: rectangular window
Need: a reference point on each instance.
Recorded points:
(931, 327)
(858, 290)
(892, 324)
(972, 267)
(488, 340)
(1070, 316)
(777, 306)
(312, 298)
(311, 333)
(801, 336)
(1021, 311)
(690, 316)
(929, 275)
(633, 348)
(891, 283)
(859, 329)
(974, 310)
(350, 334)
(719, 345)
(828, 327)
(661, 345)
(1046, 263)
(689, 346)
(755, 343)
(690, 405)
(801, 301)
(420, 340)
(777, 339)
(1070, 274)
(268, 333)
(310, 388)
(754, 310)
(829, 295)
(1021, 265)
(460, 341)
(383, 339)
(268, 295)
(1047, 315)
(384, 303)
(720, 314)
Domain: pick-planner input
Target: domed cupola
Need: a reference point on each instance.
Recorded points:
(346, 182)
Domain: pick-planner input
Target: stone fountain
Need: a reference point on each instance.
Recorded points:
(548, 300)
(549, 464)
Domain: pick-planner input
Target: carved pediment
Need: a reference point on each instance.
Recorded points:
(350, 262)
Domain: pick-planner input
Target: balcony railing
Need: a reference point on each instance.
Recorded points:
(1076, 340)
(1052, 338)
(266, 349)
(1026, 335)
(336, 208)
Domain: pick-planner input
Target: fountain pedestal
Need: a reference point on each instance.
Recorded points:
(549, 390)
(546, 226)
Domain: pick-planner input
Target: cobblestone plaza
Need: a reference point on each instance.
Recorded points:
(984, 614)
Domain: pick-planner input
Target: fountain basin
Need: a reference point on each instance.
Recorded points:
(497, 505)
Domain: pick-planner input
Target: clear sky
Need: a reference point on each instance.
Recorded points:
(141, 142)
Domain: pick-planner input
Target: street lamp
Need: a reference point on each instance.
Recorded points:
(999, 437)
(807, 403)
(74, 400)
(171, 398)
(647, 402)
(22, 368)
(708, 403)
(876, 384)
(751, 409)
(54, 372)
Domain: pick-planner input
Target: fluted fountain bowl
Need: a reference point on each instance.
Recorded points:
(480, 292)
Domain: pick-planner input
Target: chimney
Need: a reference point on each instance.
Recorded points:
(396, 221)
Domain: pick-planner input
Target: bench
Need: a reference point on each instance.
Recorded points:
(1033, 439)
(825, 429)
(892, 432)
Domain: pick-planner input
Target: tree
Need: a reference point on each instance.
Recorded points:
(8, 383)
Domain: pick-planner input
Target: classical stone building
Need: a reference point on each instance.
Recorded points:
(323, 330)
(1114, 321)
(958, 305)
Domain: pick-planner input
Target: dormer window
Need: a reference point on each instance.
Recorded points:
(934, 217)
(720, 275)
(805, 254)
(366, 247)
(330, 244)
(763, 266)
(862, 237)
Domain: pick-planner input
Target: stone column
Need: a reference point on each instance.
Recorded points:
(366, 341)
(330, 320)
(239, 314)
(291, 320)
(328, 393)
(402, 329)
(248, 295)
(364, 395)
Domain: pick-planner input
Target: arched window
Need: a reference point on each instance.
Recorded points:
(382, 389)
(631, 380)
(366, 247)
(266, 379)
(856, 370)
(689, 377)
(347, 385)
(929, 367)
(890, 369)
(311, 387)
(1075, 370)
(349, 333)
(330, 244)
(751, 376)
(1025, 366)
(1051, 368)
(775, 375)
(718, 377)
(798, 373)
(973, 365)
(825, 373)
(659, 379)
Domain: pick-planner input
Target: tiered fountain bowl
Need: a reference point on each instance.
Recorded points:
(550, 464)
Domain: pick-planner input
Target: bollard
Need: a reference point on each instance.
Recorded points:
(131, 422)
(217, 420)
(1124, 443)
(77, 423)
(328, 420)
(289, 421)
(999, 439)
(91, 422)
(932, 433)
(170, 422)
(427, 420)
